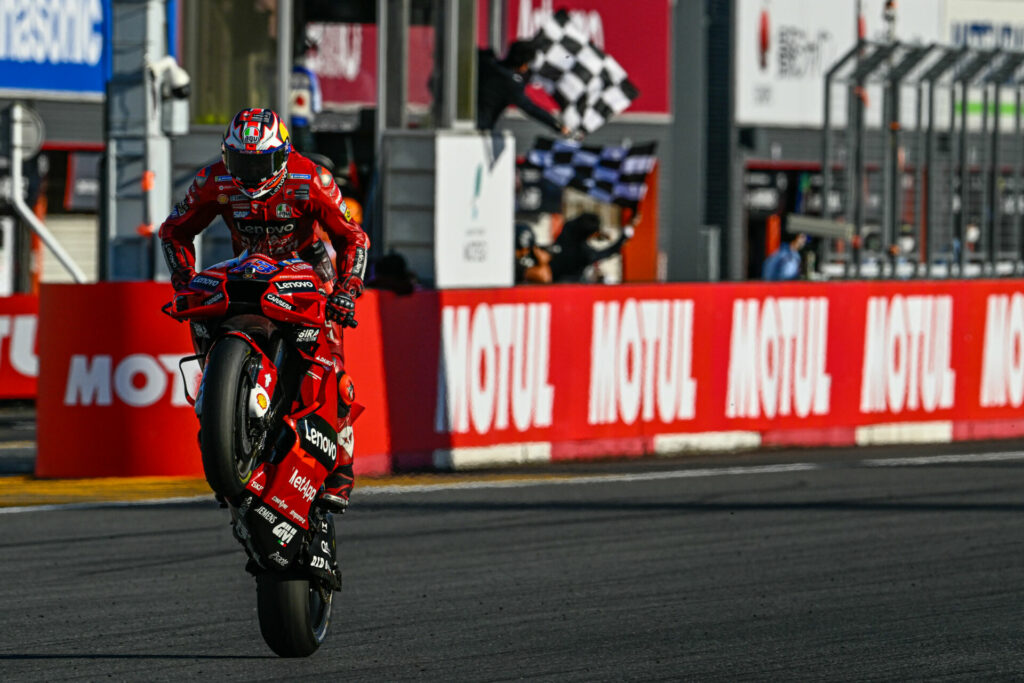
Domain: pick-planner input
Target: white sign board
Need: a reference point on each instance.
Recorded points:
(473, 211)
(784, 48)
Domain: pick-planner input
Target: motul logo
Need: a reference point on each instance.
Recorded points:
(641, 362)
(493, 370)
(138, 380)
(1002, 375)
(21, 330)
(907, 350)
(777, 355)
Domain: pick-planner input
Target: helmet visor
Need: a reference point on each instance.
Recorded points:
(252, 169)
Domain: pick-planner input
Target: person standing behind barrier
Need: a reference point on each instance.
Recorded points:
(572, 253)
(504, 83)
(784, 264)
(533, 263)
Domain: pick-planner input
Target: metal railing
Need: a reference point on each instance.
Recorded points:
(929, 191)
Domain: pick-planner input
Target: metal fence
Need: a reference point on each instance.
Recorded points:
(931, 187)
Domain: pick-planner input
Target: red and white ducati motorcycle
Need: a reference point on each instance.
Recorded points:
(268, 414)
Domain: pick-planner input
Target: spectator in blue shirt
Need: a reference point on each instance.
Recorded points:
(784, 264)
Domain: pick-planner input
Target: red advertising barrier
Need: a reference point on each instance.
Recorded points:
(19, 364)
(569, 372)
(459, 379)
(112, 400)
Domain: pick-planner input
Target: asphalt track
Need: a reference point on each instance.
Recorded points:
(778, 566)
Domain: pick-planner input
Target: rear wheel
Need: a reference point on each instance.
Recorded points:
(226, 435)
(294, 613)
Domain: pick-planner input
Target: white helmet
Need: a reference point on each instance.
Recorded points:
(255, 151)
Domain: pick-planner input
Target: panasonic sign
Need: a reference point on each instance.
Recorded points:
(55, 46)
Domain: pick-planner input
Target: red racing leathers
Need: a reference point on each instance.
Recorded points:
(280, 223)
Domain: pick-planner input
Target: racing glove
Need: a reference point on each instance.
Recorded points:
(341, 305)
(181, 277)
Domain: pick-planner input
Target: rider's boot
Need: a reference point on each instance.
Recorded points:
(338, 485)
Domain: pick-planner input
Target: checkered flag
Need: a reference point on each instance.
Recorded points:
(616, 174)
(589, 86)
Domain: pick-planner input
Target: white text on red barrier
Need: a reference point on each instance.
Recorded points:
(20, 331)
(493, 366)
(1002, 379)
(138, 380)
(778, 350)
(640, 360)
(908, 354)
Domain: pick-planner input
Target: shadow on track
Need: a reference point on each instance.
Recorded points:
(25, 657)
(165, 532)
(693, 506)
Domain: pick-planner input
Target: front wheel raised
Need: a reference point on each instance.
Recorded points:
(294, 613)
(225, 439)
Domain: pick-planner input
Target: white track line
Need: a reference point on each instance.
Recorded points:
(106, 504)
(943, 459)
(569, 480)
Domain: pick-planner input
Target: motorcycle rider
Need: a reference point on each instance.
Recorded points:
(272, 199)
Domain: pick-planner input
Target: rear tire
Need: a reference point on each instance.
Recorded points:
(293, 615)
(227, 449)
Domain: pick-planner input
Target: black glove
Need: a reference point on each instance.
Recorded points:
(181, 277)
(341, 308)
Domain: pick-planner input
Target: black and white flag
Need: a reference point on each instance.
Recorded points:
(616, 174)
(589, 86)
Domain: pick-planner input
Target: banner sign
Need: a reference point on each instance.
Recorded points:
(344, 60)
(785, 47)
(345, 55)
(19, 365)
(55, 49)
(462, 378)
(572, 372)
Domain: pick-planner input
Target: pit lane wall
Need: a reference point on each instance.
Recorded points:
(479, 378)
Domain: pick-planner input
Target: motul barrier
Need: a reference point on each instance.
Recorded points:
(578, 372)
(112, 399)
(19, 365)
(461, 379)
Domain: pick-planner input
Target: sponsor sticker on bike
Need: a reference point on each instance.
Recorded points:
(264, 512)
(318, 439)
(278, 301)
(307, 336)
(289, 286)
(303, 485)
(205, 282)
(285, 532)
